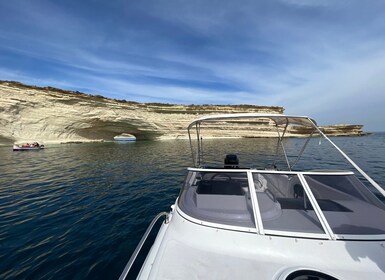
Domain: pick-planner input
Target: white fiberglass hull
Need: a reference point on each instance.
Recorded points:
(187, 250)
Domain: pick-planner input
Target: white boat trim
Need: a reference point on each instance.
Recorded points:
(240, 170)
(254, 201)
(299, 235)
(374, 237)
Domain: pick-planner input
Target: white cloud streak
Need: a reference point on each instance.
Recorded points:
(322, 58)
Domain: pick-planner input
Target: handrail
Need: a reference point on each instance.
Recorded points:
(362, 172)
(267, 171)
(139, 246)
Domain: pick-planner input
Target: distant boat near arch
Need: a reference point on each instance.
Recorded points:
(125, 137)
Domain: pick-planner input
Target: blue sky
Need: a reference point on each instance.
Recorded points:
(323, 58)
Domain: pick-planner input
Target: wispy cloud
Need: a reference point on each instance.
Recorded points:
(323, 58)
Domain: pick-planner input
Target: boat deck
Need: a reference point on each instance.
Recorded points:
(190, 251)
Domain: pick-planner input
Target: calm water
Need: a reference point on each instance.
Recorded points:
(78, 211)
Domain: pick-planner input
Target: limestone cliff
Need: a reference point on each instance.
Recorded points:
(54, 115)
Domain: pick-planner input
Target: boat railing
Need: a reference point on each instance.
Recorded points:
(141, 243)
(268, 171)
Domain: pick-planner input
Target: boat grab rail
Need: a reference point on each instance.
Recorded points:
(140, 245)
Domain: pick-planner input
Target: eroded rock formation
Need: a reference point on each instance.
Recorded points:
(54, 115)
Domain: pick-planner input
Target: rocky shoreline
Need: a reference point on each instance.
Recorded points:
(57, 116)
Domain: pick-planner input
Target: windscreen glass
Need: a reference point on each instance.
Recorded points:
(349, 207)
(218, 197)
(284, 205)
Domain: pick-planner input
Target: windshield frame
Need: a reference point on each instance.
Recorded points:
(259, 227)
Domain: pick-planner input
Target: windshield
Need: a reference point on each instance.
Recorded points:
(349, 207)
(218, 197)
(283, 203)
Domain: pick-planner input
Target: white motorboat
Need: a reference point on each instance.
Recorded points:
(30, 146)
(241, 222)
(125, 137)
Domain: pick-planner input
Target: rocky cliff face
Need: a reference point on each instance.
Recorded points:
(54, 115)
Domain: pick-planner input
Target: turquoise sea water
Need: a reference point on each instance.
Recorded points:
(78, 211)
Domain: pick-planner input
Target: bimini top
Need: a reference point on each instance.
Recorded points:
(279, 119)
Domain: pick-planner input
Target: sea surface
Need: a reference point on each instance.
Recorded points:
(77, 211)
